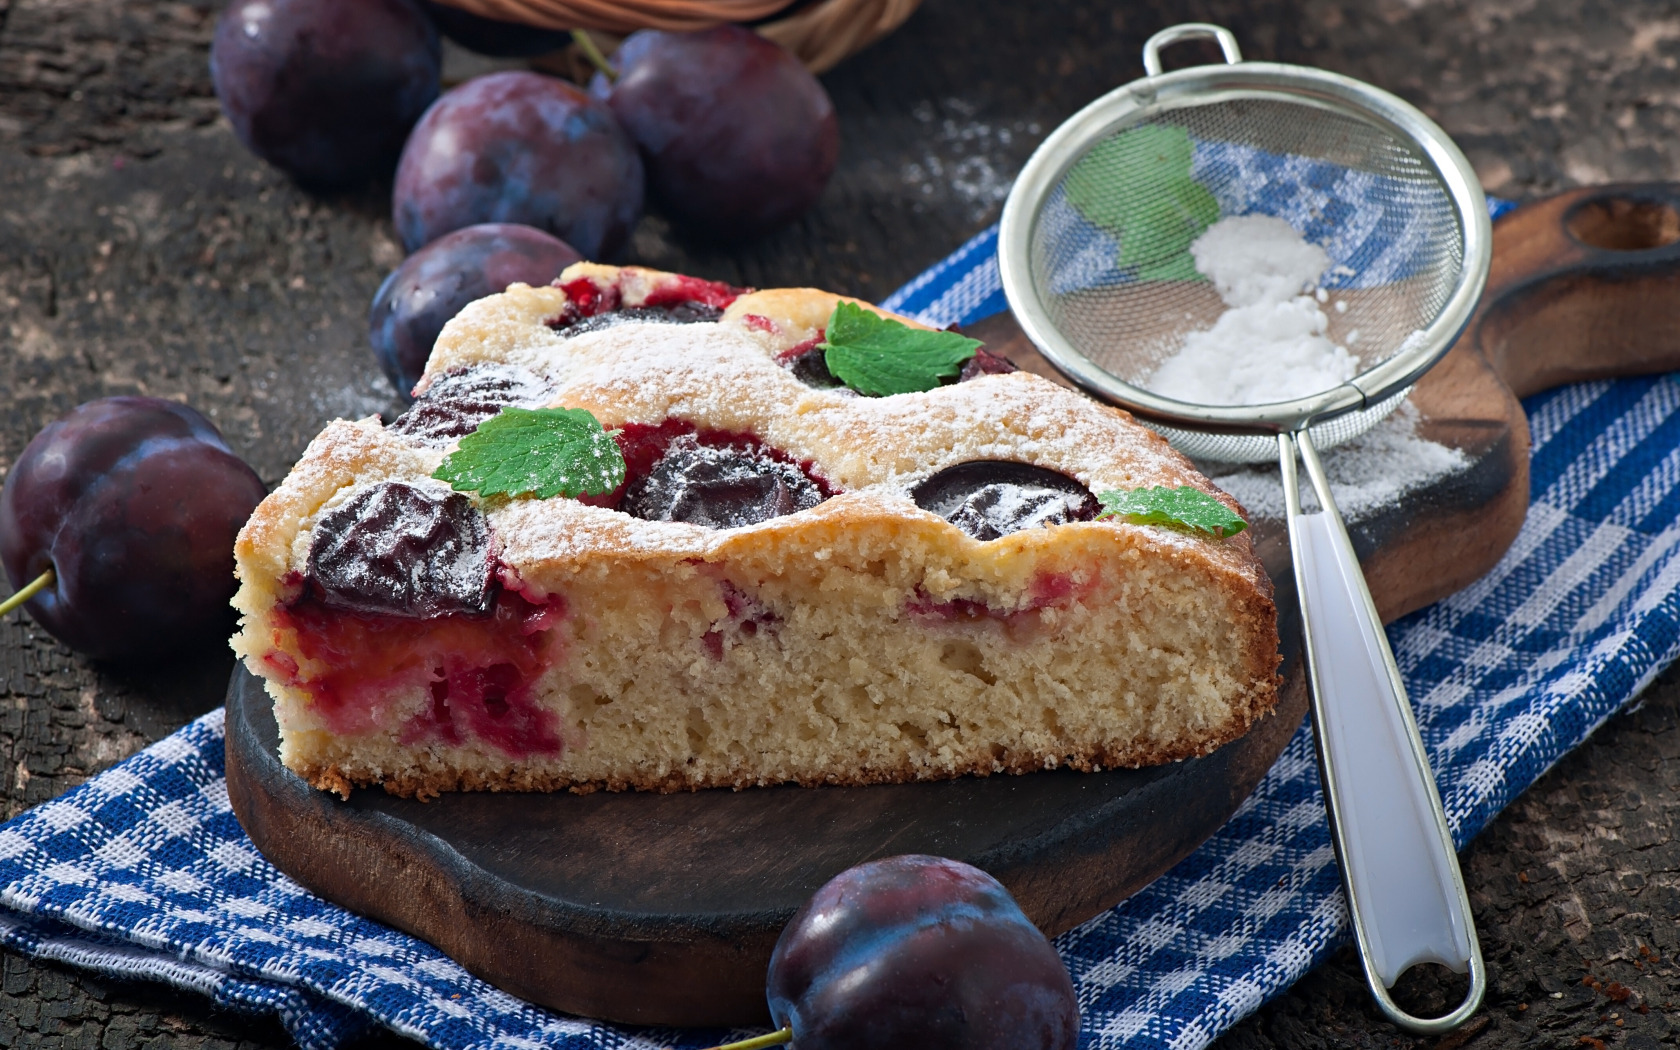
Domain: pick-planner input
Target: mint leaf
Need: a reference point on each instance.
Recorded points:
(1180, 267)
(1118, 173)
(1183, 507)
(1137, 186)
(1162, 228)
(878, 356)
(542, 452)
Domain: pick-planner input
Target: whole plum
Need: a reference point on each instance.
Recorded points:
(490, 36)
(430, 287)
(738, 137)
(134, 503)
(919, 952)
(325, 90)
(519, 147)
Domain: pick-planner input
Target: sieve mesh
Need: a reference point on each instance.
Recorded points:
(1108, 256)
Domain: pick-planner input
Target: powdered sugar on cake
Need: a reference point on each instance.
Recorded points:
(725, 376)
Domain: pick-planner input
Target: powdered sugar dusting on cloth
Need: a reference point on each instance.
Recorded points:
(1270, 345)
(1367, 473)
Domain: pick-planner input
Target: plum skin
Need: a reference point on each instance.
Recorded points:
(134, 503)
(431, 286)
(719, 486)
(922, 952)
(325, 90)
(523, 148)
(974, 496)
(738, 137)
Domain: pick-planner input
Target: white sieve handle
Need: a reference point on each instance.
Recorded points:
(1405, 893)
(1188, 31)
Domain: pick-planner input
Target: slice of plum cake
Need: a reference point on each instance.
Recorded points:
(789, 581)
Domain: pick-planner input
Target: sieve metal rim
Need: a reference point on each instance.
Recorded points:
(1199, 85)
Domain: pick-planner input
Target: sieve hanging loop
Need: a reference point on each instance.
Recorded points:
(1189, 31)
(1094, 255)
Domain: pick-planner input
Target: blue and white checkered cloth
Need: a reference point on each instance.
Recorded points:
(144, 872)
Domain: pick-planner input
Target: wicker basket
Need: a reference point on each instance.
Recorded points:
(820, 33)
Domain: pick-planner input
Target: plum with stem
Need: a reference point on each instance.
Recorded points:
(132, 504)
(917, 951)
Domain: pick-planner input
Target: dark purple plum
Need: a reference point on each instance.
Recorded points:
(675, 313)
(719, 486)
(738, 136)
(325, 90)
(490, 36)
(457, 402)
(396, 549)
(989, 498)
(519, 147)
(430, 287)
(811, 368)
(134, 503)
(924, 953)
(986, 363)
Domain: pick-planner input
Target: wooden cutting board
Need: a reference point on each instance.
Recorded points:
(663, 909)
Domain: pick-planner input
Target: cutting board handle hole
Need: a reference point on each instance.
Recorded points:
(1623, 223)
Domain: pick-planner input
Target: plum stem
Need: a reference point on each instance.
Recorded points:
(776, 1038)
(587, 45)
(30, 590)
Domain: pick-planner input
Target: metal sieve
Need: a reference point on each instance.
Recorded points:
(1093, 252)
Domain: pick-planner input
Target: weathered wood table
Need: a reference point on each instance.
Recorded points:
(143, 251)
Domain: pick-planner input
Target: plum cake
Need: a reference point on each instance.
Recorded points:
(643, 531)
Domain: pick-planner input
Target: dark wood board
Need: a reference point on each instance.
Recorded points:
(664, 908)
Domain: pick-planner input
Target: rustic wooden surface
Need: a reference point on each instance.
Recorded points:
(141, 250)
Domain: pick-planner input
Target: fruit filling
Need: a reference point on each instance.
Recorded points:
(719, 480)
(479, 672)
(809, 364)
(747, 615)
(676, 300)
(402, 593)
(986, 363)
(989, 498)
(457, 402)
(1047, 591)
(400, 550)
(679, 313)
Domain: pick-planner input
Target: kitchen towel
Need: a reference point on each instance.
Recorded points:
(144, 872)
